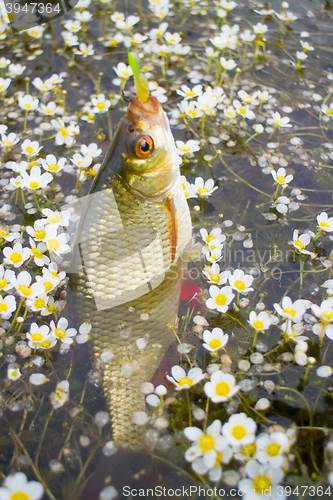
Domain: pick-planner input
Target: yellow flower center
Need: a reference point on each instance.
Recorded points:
(261, 484)
(215, 277)
(64, 132)
(215, 344)
(39, 303)
(206, 443)
(25, 290)
(46, 344)
(280, 179)
(290, 310)
(209, 238)
(14, 373)
(36, 252)
(60, 333)
(220, 299)
(48, 285)
(192, 113)
(258, 325)
(33, 184)
(54, 244)
(28, 106)
(329, 112)
(53, 167)
(249, 450)
(54, 219)
(15, 257)
(4, 233)
(185, 150)
(3, 307)
(273, 449)
(7, 144)
(3, 283)
(238, 432)
(100, 105)
(328, 315)
(222, 389)
(37, 337)
(39, 234)
(189, 93)
(324, 224)
(29, 149)
(240, 285)
(185, 381)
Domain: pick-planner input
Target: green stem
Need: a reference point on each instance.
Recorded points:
(189, 409)
(16, 314)
(35, 198)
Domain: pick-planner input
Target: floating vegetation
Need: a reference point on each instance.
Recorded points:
(241, 404)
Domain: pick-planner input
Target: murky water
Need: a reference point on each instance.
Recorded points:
(65, 440)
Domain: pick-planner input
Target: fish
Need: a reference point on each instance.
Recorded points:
(128, 257)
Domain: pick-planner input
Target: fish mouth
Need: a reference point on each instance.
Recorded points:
(149, 111)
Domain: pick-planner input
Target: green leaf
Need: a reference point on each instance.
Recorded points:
(134, 62)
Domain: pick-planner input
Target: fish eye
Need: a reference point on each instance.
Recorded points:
(144, 147)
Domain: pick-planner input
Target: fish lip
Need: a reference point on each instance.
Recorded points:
(150, 111)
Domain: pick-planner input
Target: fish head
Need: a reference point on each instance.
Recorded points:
(143, 151)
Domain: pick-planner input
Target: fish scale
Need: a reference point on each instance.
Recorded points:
(124, 266)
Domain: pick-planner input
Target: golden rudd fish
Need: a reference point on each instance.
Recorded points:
(130, 248)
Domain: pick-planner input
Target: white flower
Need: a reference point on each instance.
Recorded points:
(263, 96)
(30, 148)
(7, 306)
(15, 70)
(230, 112)
(4, 84)
(65, 135)
(7, 141)
(172, 38)
(190, 109)
(243, 110)
(52, 165)
(61, 394)
(13, 373)
(299, 355)
(37, 252)
(247, 98)
(81, 161)
(220, 298)
(39, 337)
(85, 50)
(101, 105)
(7, 279)
(221, 387)
(290, 310)
(55, 219)
(28, 103)
(204, 190)
(38, 379)
(35, 32)
(325, 223)
(69, 39)
(239, 430)
(228, 64)
(92, 150)
(214, 275)
(260, 28)
(281, 178)
(187, 147)
(189, 189)
(73, 25)
(277, 121)
(36, 180)
(293, 332)
(123, 71)
(39, 303)
(84, 333)
(241, 282)
(300, 242)
(247, 36)
(57, 243)
(43, 86)
(261, 321)
(61, 332)
(262, 482)
(328, 110)
(214, 340)
(16, 255)
(184, 381)
(24, 288)
(206, 445)
(214, 239)
(188, 93)
(271, 447)
(126, 24)
(17, 486)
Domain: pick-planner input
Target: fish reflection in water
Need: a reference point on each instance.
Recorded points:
(129, 252)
